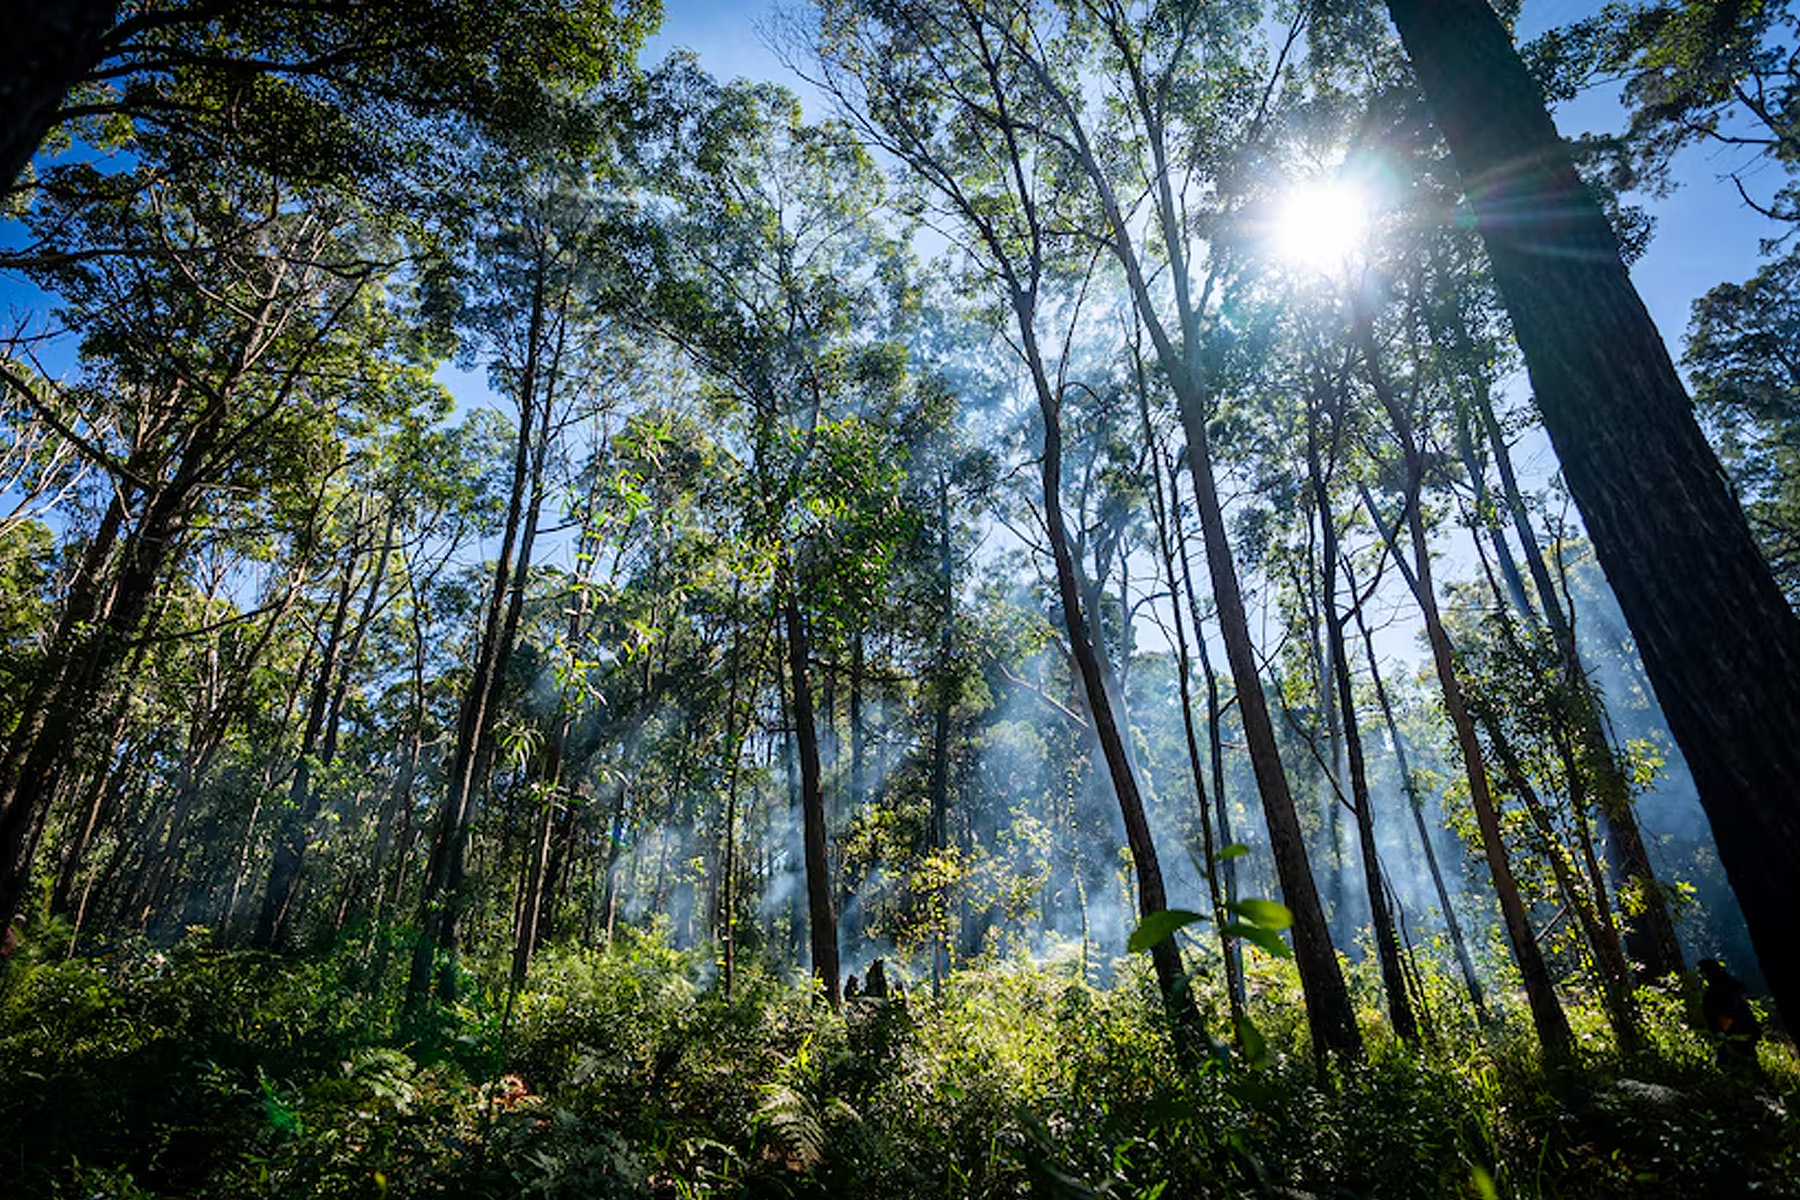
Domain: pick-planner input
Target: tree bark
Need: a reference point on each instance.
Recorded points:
(1718, 640)
(1387, 942)
(52, 44)
(821, 917)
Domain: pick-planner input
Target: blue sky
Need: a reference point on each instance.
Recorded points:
(1705, 235)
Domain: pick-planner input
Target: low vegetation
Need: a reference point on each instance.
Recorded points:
(193, 1072)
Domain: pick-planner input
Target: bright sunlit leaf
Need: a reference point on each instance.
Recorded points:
(1159, 925)
(1270, 941)
(1270, 914)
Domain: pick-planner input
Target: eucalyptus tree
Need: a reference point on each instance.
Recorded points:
(771, 267)
(1217, 850)
(387, 507)
(676, 634)
(321, 89)
(1143, 117)
(227, 324)
(947, 95)
(524, 296)
(1330, 431)
(1408, 406)
(1519, 695)
(1710, 73)
(1650, 932)
(1718, 638)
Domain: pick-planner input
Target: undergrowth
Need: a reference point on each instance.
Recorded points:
(191, 1072)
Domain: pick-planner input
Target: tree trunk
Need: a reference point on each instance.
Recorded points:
(441, 900)
(1718, 639)
(821, 918)
(943, 694)
(1601, 938)
(1458, 944)
(303, 798)
(1215, 739)
(1650, 933)
(1091, 672)
(1387, 942)
(1184, 683)
(92, 635)
(52, 44)
(1546, 1010)
(1329, 1015)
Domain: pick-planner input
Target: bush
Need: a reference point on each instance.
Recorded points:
(629, 1074)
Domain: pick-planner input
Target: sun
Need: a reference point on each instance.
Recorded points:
(1320, 224)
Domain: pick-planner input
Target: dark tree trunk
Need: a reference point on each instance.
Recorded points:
(1209, 848)
(1387, 942)
(1091, 676)
(1719, 642)
(821, 918)
(1329, 1016)
(50, 45)
(943, 696)
(1458, 944)
(442, 900)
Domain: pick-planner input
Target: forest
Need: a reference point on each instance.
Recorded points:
(1077, 598)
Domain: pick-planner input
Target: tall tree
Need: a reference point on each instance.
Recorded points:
(526, 308)
(226, 328)
(980, 156)
(774, 272)
(318, 89)
(1718, 639)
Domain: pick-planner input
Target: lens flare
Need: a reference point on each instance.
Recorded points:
(1320, 224)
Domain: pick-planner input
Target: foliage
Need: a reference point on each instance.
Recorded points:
(202, 1073)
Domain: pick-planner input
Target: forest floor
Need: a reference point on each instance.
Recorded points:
(190, 1072)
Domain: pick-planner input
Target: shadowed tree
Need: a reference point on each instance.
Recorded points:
(313, 89)
(1719, 642)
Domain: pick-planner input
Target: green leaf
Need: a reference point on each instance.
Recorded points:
(1159, 925)
(1256, 1046)
(1235, 850)
(1268, 939)
(1266, 913)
